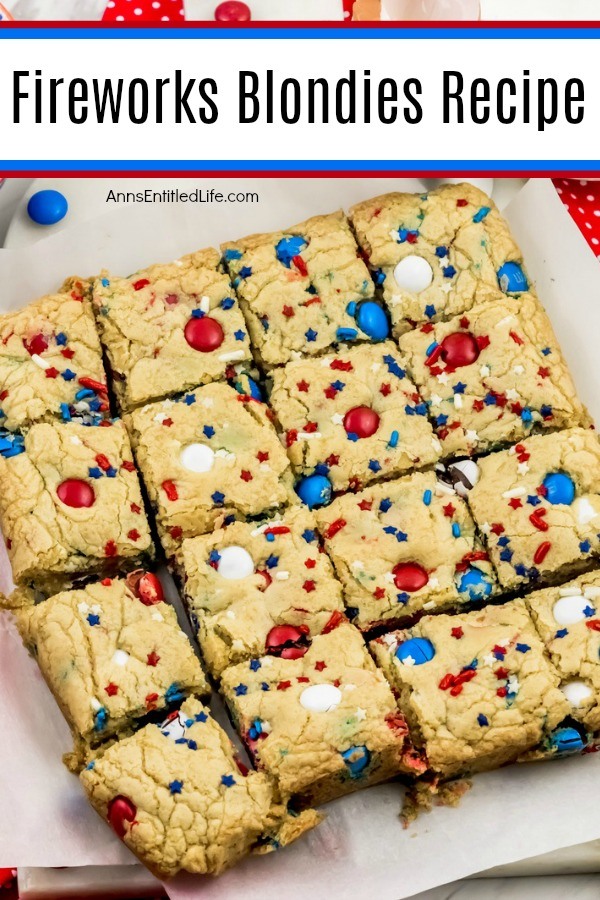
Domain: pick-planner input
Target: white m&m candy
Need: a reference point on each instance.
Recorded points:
(570, 609)
(413, 273)
(320, 697)
(234, 563)
(197, 458)
(576, 692)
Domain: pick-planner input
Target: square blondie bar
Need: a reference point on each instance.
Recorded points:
(355, 416)
(111, 653)
(71, 505)
(170, 327)
(323, 724)
(492, 376)
(207, 456)
(259, 587)
(51, 361)
(304, 289)
(567, 619)
(476, 689)
(538, 507)
(432, 253)
(405, 547)
(178, 797)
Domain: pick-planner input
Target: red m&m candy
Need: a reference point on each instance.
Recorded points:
(120, 811)
(361, 421)
(76, 493)
(147, 588)
(410, 577)
(287, 641)
(232, 11)
(459, 349)
(204, 334)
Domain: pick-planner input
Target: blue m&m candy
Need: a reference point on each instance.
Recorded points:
(371, 318)
(47, 207)
(415, 651)
(560, 488)
(314, 490)
(357, 759)
(474, 583)
(511, 278)
(567, 740)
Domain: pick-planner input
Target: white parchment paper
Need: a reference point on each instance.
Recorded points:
(361, 849)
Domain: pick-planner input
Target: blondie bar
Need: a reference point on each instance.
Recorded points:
(170, 327)
(403, 548)
(70, 504)
(432, 253)
(492, 376)
(210, 455)
(51, 361)
(353, 417)
(538, 506)
(323, 724)
(180, 800)
(111, 653)
(568, 622)
(255, 588)
(304, 289)
(476, 689)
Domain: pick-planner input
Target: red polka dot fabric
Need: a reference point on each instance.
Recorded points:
(144, 11)
(582, 199)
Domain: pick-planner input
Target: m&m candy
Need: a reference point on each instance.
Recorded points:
(232, 11)
(413, 274)
(409, 576)
(204, 334)
(459, 349)
(76, 493)
(511, 278)
(314, 490)
(361, 421)
(371, 318)
(47, 207)
(415, 651)
(559, 488)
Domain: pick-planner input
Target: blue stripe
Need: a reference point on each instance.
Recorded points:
(209, 165)
(290, 32)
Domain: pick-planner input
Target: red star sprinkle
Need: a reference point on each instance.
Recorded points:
(67, 353)
(51, 372)
(291, 437)
(128, 465)
(245, 475)
(464, 322)
(365, 505)
(176, 532)
(110, 549)
(385, 389)
(288, 311)
(310, 563)
(501, 673)
(309, 586)
(497, 528)
(135, 508)
(284, 685)
(167, 422)
(152, 659)
(262, 456)
(151, 701)
(461, 203)
(133, 535)
(330, 392)
(340, 365)
(515, 503)
(310, 427)
(302, 679)
(302, 386)
(332, 460)
(320, 665)
(379, 593)
(457, 632)
(449, 510)
(544, 372)
(111, 689)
